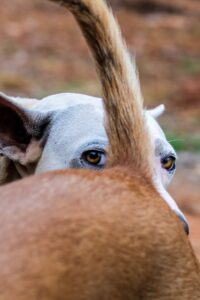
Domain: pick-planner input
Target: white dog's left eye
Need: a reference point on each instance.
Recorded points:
(169, 163)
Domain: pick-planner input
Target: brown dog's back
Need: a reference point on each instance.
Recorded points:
(92, 236)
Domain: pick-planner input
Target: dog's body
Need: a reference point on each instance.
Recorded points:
(81, 234)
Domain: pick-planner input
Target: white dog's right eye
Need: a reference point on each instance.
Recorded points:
(94, 158)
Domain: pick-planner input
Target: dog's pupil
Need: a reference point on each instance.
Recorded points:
(94, 156)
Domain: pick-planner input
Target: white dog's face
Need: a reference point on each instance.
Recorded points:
(77, 138)
(165, 155)
(67, 131)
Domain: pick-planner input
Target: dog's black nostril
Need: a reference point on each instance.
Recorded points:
(185, 224)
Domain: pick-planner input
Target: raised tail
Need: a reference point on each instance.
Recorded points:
(125, 125)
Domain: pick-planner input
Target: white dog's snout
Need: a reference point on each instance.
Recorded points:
(172, 204)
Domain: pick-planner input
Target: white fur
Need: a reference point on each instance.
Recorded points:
(77, 125)
(85, 126)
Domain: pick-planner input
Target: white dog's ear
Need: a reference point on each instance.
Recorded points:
(157, 111)
(24, 102)
(20, 131)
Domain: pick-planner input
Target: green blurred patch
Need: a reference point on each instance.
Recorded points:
(184, 142)
(190, 65)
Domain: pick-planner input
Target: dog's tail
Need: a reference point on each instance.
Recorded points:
(125, 125)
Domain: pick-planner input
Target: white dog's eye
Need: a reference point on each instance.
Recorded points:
(94, 157)
(169, 163)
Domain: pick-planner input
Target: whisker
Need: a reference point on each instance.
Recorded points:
(176, 140)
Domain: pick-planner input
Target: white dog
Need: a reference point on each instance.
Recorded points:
(65, 131)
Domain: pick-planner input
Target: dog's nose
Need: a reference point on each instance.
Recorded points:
(185, 224)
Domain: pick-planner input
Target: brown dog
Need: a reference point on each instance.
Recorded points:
(82, 235)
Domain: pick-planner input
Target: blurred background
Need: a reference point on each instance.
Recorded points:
(43, 52)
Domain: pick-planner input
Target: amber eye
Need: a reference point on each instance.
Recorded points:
(169, 163)
(93, 157)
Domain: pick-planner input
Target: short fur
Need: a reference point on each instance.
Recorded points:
(82, 235)
(119, 83)
(76, 122)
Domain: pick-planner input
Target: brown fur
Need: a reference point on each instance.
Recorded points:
(119, 81)
(82, 235)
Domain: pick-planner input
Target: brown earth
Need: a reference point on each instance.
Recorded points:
(42, 52)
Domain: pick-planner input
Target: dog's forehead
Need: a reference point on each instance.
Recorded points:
(78, 116)
(79, 120)
(75, 118)
(73, 130)
(74, 127)
(65, 100)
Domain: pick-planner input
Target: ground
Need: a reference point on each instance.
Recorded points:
(42, 52)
